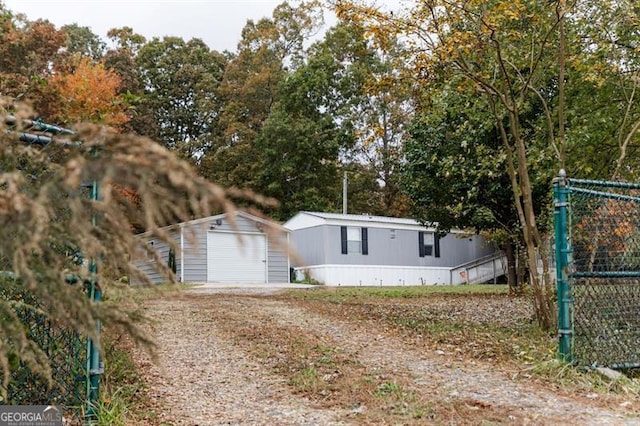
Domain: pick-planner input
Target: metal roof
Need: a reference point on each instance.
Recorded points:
(364, 217)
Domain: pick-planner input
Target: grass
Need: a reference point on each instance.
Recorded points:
(358, 294)
(305, 379)
(482, 322)
(123, 398)
(121, 392)
(330, 376)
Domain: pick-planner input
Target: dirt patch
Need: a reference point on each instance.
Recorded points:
(238, 359)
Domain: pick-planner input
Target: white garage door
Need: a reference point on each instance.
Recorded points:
(233, 257)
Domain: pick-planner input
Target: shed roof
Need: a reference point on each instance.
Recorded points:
(239, 213)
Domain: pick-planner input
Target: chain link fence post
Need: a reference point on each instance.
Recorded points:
(565, 330)
(95, 367)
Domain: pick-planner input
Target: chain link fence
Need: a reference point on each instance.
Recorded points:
(602, 272)
(65, 349)
(29, 149)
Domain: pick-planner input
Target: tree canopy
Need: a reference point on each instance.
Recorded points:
(459, 114)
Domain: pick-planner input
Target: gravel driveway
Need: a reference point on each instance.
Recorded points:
(207, 376)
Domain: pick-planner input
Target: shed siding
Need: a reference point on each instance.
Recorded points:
(277, 260)
(195, 244)
(150, 268)
(195, 253)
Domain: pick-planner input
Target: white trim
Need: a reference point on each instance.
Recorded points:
(336, 265)
(288, 248)
(266, 258)
(224, 231)
(222, 216)
(182, 254)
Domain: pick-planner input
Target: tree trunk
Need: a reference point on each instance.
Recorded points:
(512, 276)
(522, 270)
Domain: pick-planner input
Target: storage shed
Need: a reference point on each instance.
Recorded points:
(218, 249)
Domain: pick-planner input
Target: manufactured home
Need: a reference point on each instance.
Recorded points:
(224, 249)
(354, 250)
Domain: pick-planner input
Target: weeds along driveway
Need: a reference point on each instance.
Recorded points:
(232, 358)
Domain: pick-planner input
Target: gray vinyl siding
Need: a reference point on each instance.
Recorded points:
(399, 251)
(194, 254)
(195, 244)
(150, 268)
(309, 246)
(277, 260)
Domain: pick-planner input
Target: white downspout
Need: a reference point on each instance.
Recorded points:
(288, 248)
(181, 254)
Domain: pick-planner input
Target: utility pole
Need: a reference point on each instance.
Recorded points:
(344, 193)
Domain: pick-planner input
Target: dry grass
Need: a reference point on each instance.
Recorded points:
(482, 323)
(374, 358)
(330, 376)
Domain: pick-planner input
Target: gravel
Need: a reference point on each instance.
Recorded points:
(204, 378)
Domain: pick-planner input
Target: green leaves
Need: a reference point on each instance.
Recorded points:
(180, 81)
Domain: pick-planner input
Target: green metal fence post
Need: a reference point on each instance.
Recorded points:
(565, 332)
(94, 365)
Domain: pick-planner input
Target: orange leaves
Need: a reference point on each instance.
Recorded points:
(89, 93)
(611, 225)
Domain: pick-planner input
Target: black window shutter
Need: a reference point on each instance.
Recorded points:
(343, 235)
(421, 244)
(365, 241)
(436, 243)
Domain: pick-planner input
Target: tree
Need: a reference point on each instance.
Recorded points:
(514, 54)
(363, 92)
(46, 220)
(89, 93)
(180, 81)
(83, 42)
(345, 87)
(28, 50)
(249, 90)
(122, 59)
(379, 114)
(300, 146)
(48, 225)
(454, 174)
(488, 51)
(603, 72)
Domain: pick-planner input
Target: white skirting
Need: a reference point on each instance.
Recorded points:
(372, 275)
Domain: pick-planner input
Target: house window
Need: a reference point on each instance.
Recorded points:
(428, 244)
(354, 240)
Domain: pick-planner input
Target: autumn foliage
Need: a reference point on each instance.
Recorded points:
(89, 93)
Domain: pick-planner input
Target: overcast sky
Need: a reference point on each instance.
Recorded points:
(217, 22)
